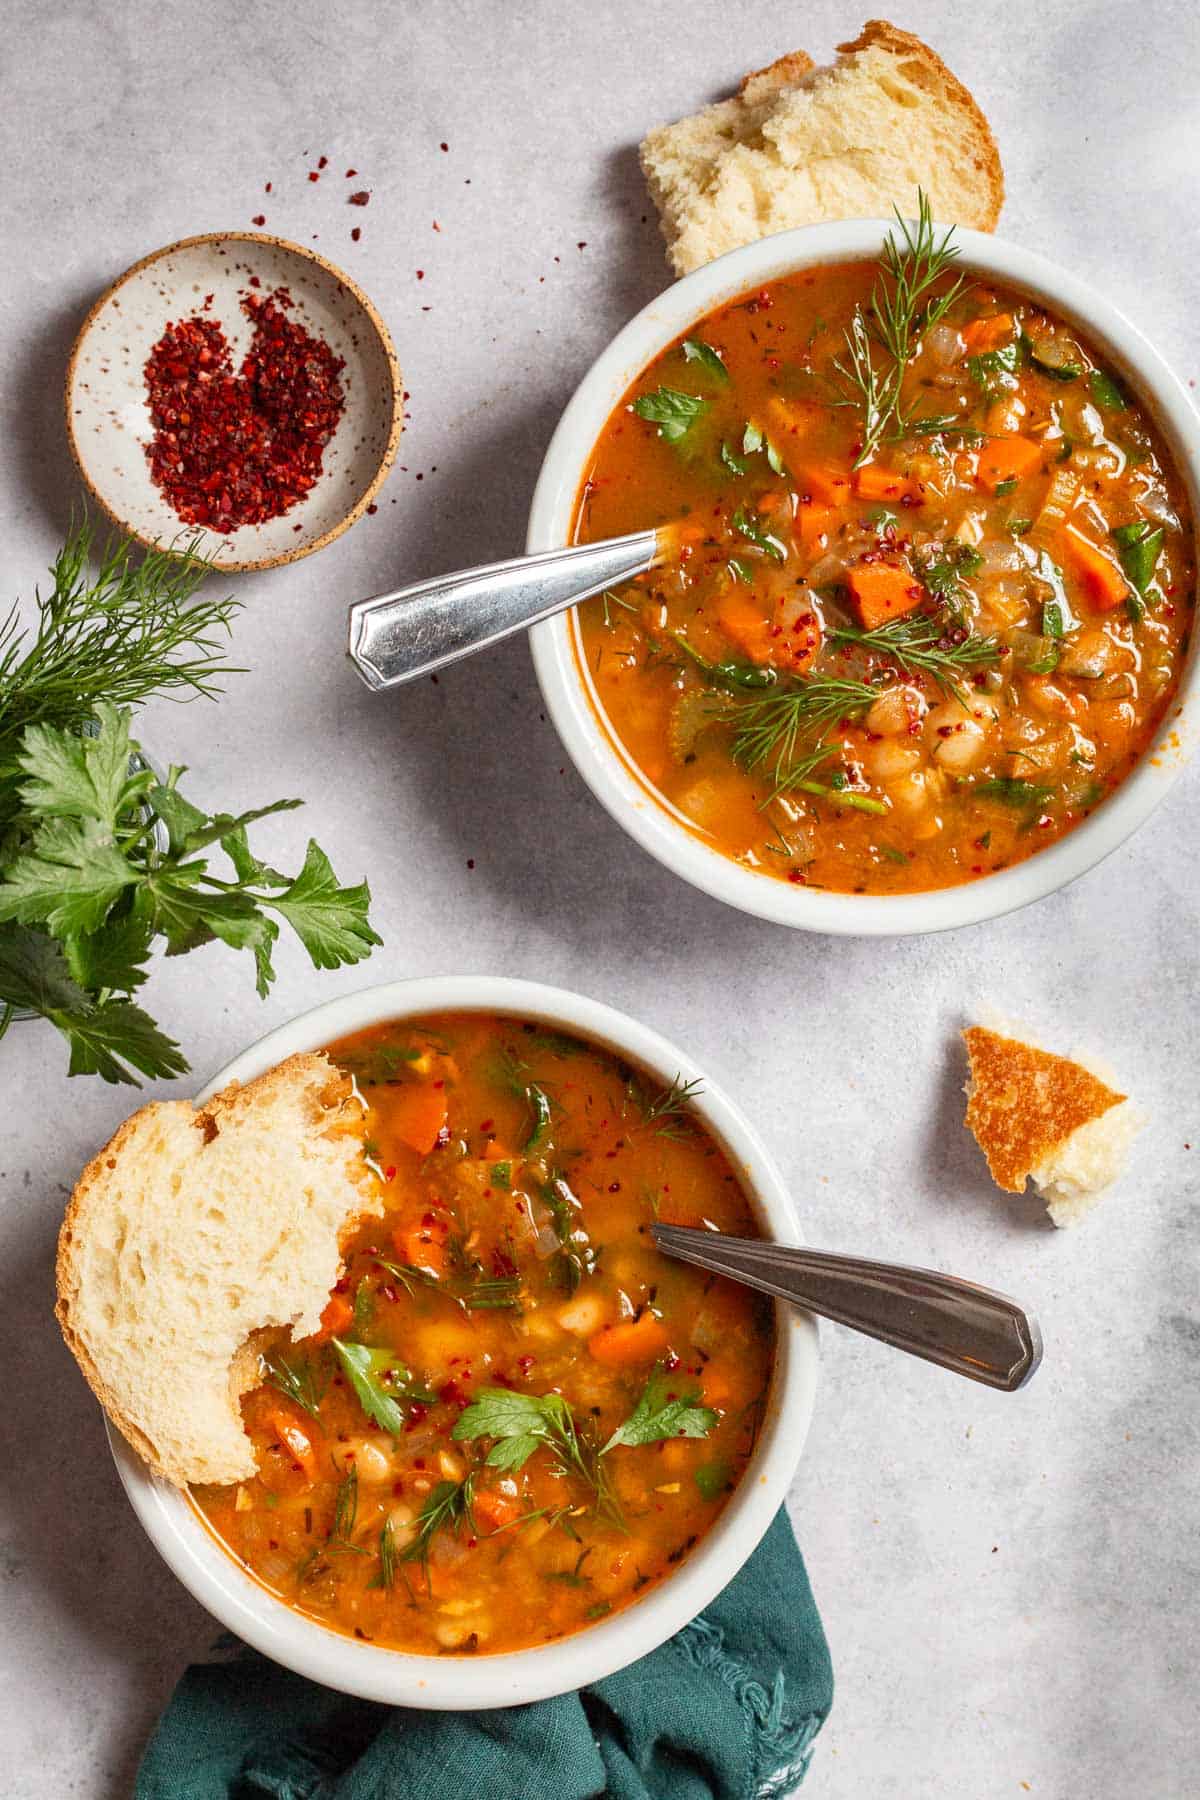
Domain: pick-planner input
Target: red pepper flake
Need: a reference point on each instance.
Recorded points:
(236, 448)
(443, 146)
(420, 274)
(360, 198)
(372, 508)
(436, 226)
(582, 245)
(267, 189)
(255, 282)
(259, 219)
(470, 862)
(322, 162)
(350, 174)
(313, 176)
(356, 234)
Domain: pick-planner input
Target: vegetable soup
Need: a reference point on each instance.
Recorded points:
(518, 1415)
(931, 582)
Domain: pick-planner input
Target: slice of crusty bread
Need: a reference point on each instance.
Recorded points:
(1044, 1118)
(799, 144)
(194, 1230)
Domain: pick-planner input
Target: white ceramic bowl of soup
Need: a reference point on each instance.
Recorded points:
(192, 1550)
(578, 714)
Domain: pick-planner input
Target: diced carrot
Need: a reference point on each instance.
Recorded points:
(423, 1246)
(765, 640)
(1099, 576)
(337, 1316)
(988, 334)
(1007, 459)
(741, 619)
(812, 524)
(295, 1440)
(639, 1340)
(495, 1509)
(881, 591)
(417, 1114)
(828, 487)
(875, 483)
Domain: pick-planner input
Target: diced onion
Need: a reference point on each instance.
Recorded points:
(943, 345)
(1000, 556)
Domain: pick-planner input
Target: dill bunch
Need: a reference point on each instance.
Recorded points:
(134, 627)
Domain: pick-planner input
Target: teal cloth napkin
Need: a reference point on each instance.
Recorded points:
(726, 1710)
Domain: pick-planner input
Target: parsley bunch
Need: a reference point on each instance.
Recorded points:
(99, 856)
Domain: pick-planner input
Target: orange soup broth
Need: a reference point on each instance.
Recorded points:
(944, 781)
(522, 1170)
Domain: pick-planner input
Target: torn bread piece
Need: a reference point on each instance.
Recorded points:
(197, 1236)
(800, 144)
(1045, 1118)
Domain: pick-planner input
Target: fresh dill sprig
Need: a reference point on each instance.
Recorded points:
(133, 628)
(883, 336)
(345, 1504)
(669, 1111)
(920, 645)
(448, 1508)
(776, 732)
(302, 1381)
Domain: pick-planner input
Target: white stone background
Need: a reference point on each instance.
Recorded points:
(1009, 1584)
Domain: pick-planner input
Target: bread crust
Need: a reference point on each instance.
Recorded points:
(222, 1108)
(1024, 1102)
(931, 72)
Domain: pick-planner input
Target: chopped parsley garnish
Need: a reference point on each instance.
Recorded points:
(671, 410)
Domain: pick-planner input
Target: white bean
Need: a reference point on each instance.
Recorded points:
(368, 1456)
(583, 1315)
(891, 759)
(895, 711)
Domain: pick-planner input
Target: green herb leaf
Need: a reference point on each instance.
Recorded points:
(69, 879)
(668, 1408)
(697, 351)
(750, 528)
(380, 1382)
(1012, 792)
(1139, 547)
(114, 1036)
(518, 1422)
(712, 1479)
(733, 463)
(671, 410)
(330, 921)
(1105, 391)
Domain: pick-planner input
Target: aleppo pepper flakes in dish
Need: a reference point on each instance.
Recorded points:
(238, 448)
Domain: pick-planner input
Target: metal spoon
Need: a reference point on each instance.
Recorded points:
(416, 630)
(970, 1329)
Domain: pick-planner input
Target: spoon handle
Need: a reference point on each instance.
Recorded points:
(419, 629)
(946, 1320)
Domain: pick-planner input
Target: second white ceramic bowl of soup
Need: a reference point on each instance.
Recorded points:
(463, 1683)
(594, 747)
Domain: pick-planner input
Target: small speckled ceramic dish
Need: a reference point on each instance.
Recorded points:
(108, 418)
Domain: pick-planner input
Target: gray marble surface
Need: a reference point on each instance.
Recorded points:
(1010, 1585)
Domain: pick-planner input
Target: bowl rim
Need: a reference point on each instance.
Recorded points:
(562, 674)
(194, 1553)
(383, 335)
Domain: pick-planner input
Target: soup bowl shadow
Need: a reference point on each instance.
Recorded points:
(477, 1682)
(574, 705)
